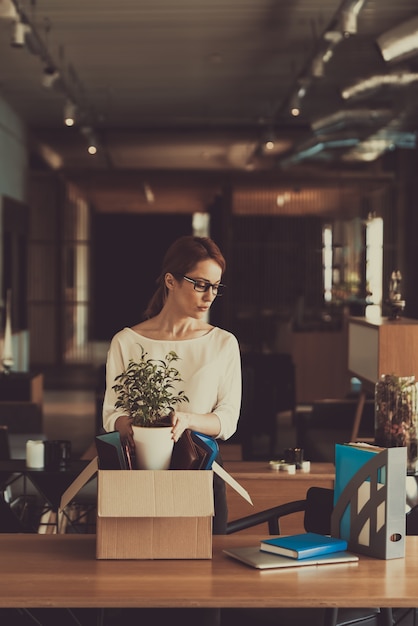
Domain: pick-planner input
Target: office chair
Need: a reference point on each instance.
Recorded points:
(4, 456)
(317, 508)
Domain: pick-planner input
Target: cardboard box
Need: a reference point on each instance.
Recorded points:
(154, 514)
(145, 514)
(148, 514)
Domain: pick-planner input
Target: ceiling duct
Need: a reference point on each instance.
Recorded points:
(377, 145)
(400, 42)
(317, 146)
(349, 15)
(8, 10)
(373, 83)
(367, 135)
(356, 118)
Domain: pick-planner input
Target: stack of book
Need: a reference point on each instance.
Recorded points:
(303, 546)
(294, 551)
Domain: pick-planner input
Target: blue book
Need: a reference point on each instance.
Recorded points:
(303, 546)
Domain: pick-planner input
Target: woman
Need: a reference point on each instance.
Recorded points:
(209, 364)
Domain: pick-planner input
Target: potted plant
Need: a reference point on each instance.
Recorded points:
(396, 416)
(145, 390)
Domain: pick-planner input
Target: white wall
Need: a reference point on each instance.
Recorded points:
(13, 154)
(13, 164)
(13, 183)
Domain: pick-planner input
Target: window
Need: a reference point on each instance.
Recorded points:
(327, 261)
(374, 262)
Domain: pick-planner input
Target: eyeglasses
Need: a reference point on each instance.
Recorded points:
(205, 285)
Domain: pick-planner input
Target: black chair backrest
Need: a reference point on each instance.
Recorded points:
(319, 505)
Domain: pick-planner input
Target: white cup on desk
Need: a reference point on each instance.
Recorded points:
(34, 453)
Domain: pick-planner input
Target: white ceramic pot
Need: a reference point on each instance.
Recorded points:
(153, 447)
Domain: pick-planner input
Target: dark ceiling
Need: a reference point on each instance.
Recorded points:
(202, 84)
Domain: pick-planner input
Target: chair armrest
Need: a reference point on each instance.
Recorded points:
(270, 516)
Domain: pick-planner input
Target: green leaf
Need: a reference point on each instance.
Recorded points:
(144, 388)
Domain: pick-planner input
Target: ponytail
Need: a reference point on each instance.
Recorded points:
(181, 257)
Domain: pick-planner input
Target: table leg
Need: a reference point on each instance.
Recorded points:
(330, 617)
(386, 617)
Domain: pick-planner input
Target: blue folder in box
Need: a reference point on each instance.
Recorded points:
(210, 445)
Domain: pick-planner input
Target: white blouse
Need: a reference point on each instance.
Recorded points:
(210, 368)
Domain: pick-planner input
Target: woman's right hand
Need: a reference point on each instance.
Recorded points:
(124, 426)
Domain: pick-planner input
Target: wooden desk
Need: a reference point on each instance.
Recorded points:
(269, 488)
(61, 571)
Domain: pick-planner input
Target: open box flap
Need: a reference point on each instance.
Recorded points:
(231, 481)
(91, 469)
(77, 484)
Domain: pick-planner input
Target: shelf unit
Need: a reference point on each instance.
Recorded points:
(378, 347)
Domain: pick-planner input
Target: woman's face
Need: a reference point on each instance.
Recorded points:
(194, 302)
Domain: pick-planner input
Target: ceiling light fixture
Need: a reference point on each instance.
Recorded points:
(295, 105)
(69, 113)
(303, 87)
(400, 42)
(26, 34)
(269, 140)
(19, 32)
(334, 37)
(331, 38)
(92, 143)
(318, 66)
(50, 76)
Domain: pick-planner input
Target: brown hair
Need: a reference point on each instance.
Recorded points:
(180, 258)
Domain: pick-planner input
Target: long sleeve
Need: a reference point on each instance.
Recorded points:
(210, 368)
(228, 403)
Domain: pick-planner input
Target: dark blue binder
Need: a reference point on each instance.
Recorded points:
(112, 453)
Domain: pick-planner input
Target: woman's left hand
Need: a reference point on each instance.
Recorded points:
(180, 422)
